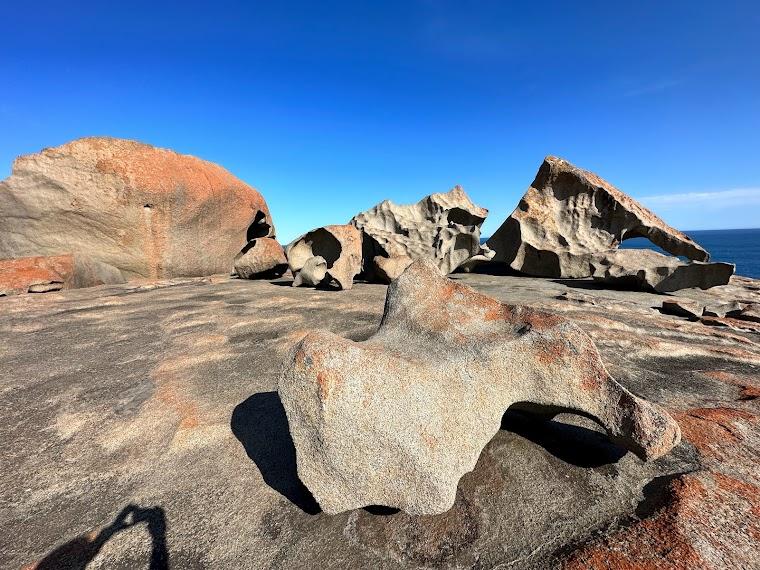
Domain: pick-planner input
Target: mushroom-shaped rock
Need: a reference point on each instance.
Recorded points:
(649, 270)
(397, 420)
(568, 215)
(147, 211)
(324, 255)
(443, 228)
(261, 258)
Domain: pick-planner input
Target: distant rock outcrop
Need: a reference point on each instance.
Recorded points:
(325, 255)
(443, 228)
(146, 211)
(568, 215)
(397, 420)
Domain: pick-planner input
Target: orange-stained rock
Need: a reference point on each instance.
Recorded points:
(149, 212)
(43, 274)
(708, 520)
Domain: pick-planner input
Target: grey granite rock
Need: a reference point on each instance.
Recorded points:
(261, 258)
(567, 215)
(397, 420)
(649, 270)
(338, 246)
(443, 228)
(682, 308)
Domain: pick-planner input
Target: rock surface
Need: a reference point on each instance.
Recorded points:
(648, 269)
(398, 419)
(683, 308)
(443, 228)
(149, 212)
(324, 255)
(261, 258)
(162, 396)
(44, 274)
(567, 215)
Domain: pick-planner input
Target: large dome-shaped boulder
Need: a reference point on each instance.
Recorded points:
(147, 211)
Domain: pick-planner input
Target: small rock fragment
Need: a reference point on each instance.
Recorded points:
(749, 313)
(576, 298)
(649, 270)
(338, 247)
(261, 258)
(683, 308)
(731, 309)
(397, 420)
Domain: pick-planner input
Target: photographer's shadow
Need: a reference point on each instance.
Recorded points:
(260, 424)
(77, 553)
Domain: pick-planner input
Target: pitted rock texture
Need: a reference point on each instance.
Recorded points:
(649, 270)
(332, 254)
(261, 258)
(567, 215)
(44, 274)
(149, 212)
(443, 228)
(397, 420)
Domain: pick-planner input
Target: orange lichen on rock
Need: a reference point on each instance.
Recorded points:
(22, 275)
(709, 520)
(714, 431)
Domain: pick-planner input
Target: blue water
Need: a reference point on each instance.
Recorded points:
(741, 247)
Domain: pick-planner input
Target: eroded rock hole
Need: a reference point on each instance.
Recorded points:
(259, 228)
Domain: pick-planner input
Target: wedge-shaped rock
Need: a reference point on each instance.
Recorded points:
(397, 420)
(648, 270)
(443, 228)
(261, 258)
(568, 215)
(324, 255)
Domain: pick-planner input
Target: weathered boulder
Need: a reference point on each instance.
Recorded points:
(42, 274)
(649, 270)
(567, 215)
(324, 255)
(261, 258)
(397, 420)
(443, 227)
(149, 212)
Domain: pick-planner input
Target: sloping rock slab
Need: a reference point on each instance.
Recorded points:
(329, 254)
(147, 211)
(443, 228)
(649, 270)
(569, 214)
(398, 419)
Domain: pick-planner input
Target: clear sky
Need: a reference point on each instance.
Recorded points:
(329, 107)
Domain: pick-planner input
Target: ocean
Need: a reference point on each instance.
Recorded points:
(741, 247)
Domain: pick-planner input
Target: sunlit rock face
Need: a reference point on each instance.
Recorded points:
(568, 215)
(397, 420)
(146, 211)
(325, 256)
(443, 228)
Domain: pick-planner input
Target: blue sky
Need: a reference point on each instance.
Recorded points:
(330, 107)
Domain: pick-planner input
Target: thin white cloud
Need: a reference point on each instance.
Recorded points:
(653, 87)
(718, 199)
